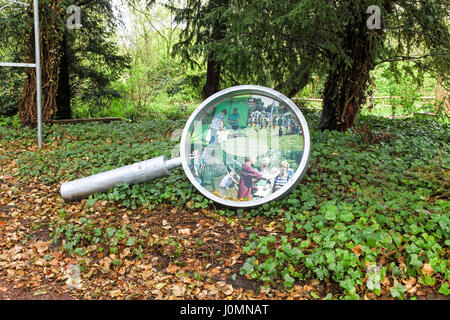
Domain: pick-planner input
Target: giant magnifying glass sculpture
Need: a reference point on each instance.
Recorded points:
(242, 147)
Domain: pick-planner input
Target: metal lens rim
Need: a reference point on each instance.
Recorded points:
(236, 91)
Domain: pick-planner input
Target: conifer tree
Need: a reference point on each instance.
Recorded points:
(283, 43)
(76, 63)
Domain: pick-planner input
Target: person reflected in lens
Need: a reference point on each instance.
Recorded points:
(204, 156)
(248, 175)
(280, 126)
(217, 125)
(282, 179)
(286, 123)
(260, 120)
(266, 120)
(263, 187)
(229, 180)
(234, 119)
(264, 166)
(274, 122)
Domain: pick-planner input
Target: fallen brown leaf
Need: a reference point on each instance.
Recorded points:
(357, 250)
(427, 269)
(185, 231)
(171, 268)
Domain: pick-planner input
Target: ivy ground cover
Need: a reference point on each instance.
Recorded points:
(370, 219)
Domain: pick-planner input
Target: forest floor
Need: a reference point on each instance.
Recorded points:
(208, 251)
(180, 246)
(202, 263)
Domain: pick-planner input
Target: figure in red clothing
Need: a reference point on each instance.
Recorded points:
(248, 174)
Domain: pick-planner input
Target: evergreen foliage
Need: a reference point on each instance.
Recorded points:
(282, 44)
(89, 55)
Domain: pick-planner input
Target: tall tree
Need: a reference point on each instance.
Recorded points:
(215, 28)
(282, 43)
(348, 77)
(268, 46)
(91, 56)
(205, 27)
(64, 93)
(77, 65)
(155, 17)
(298, 38)
(50, 13)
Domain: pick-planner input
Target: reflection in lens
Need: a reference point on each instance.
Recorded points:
(245, 148)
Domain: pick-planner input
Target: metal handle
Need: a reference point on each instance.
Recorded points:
(132, 174)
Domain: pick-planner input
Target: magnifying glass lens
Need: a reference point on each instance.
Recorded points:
(245, 148)
(242, 147)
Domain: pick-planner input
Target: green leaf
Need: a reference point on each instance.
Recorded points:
(398, 291)
(315, 295)
(347, 284)
(444, 289)
(79, 251)
(90, 202)
(110, 231)
(48, 257)
(130, 242)
(346, 216)
(415, 261)
(427, 280)
(331, 211)
(117, 262)
(289, 227)
(288, 280)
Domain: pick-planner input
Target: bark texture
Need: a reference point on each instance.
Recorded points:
(49, 15)
(344, 91)
(213, 73)
(64, 95)
(214, 68)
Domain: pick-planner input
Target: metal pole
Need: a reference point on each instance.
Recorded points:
(136, 173)
(19, 65)
(38, 71)
(36, 65)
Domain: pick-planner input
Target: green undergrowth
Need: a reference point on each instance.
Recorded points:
(372, 205)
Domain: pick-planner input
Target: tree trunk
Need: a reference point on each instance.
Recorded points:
(212, 84)
(442, 97)
(344, 91)
(50, 56)
(345, 87)
(64, 94)
(214, 68)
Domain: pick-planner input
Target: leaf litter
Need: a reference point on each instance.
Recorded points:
(156, 252)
